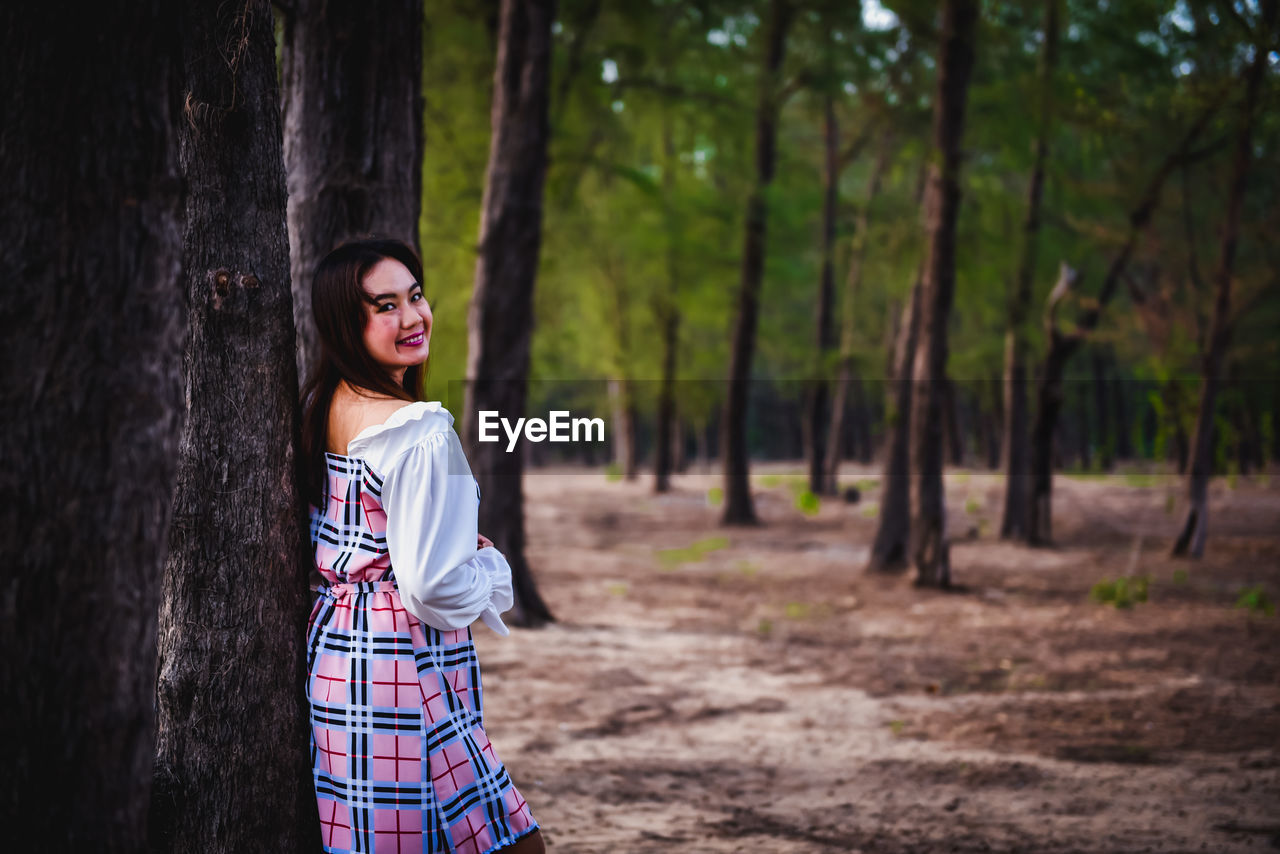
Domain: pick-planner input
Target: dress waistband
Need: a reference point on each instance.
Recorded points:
(355, 588)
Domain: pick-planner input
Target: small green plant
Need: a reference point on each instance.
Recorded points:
(1140, 479)
(896, 727)
(715, 496)
(870, 511)
(670, 559)
(866, 484)
(796, 610)
(769, 481)
(960, 479)
(1256, 601)
(617, 588)
(808, 503)
(1180, 576)
(1125, 592)
(613, 473)
(764, 628)
(972, 506)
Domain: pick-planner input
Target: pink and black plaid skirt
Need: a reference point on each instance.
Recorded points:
(399, 753)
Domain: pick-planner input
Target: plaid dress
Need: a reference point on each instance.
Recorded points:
(399, 753)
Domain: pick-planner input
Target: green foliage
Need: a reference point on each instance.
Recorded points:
(652, 160)
(1123, 592)
(1180, 576)
(1255, 600)
(715, 496)
(808, 503)
(613, 472)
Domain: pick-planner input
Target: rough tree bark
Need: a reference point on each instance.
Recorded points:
(1013, 462)
(821, 442)
(930, 551)
(500, 321)
(352, 90)
(1064, 343)
(92, 322)
(847, 380)
(232, 771)
(738, 508)
(1196, 527)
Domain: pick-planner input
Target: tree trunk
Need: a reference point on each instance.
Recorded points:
(821, 428)
(1123, 429)
(889, 551)
(499, 324)
(352, 89)
(1013, 463)
(1062, 344)
(91, 400)
(1104, 426)
(232, 771)
(1196, 527)
(848, 381)
(930, 550)
(738, 509)
(667, 433)
(624, 429)
(953, 426)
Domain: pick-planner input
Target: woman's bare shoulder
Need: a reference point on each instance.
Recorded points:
(352, 414)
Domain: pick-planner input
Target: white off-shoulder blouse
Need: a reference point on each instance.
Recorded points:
(432, 501)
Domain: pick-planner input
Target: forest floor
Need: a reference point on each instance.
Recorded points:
(714, 689)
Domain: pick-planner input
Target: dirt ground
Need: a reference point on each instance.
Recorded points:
(761, 692)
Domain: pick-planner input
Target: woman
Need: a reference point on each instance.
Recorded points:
(399, 753)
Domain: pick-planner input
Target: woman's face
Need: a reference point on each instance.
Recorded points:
(397, 327)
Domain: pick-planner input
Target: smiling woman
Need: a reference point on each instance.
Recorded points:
(399, 754)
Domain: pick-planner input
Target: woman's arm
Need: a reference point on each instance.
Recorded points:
(431, 503)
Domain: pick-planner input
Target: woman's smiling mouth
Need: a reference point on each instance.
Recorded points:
(413, 340)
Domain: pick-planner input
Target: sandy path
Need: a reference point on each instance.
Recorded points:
(770, 698)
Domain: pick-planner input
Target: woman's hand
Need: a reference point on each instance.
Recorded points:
(483, 542)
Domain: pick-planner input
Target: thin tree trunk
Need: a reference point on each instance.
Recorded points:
(231, 771)
(667, 448)
(351, 82)
(953, 426)
(822, 437)
(92, 321)
(499, 325)
(861, 413)
(889, 551)
(1062, 344)
(1085, 450)
(930, 550)
(624, 431)
(1123, 434)
(1195, 529)
(1104, 426)
(848, 379)
(1013, 525)
(738, 508)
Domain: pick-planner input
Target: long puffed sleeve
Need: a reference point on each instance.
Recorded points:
(431, 503)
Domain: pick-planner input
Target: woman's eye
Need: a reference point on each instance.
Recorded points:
(417, 297)
(386, 306)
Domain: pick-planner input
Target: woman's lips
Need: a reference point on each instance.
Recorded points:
(413, 340)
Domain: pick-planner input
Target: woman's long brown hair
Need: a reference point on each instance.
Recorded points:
(338, 300)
